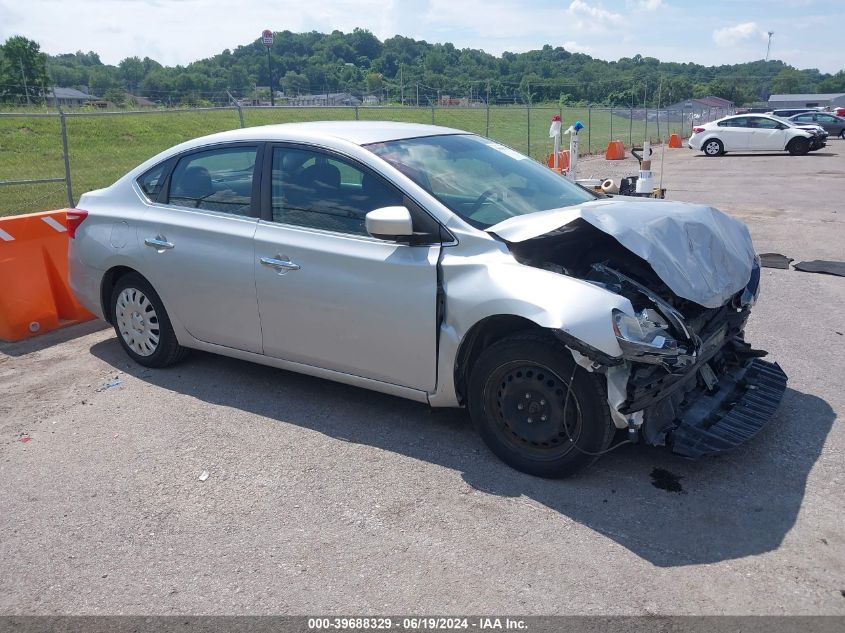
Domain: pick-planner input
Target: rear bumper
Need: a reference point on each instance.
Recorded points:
(743, 402)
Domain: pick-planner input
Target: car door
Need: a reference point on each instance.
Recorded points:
(332, 296)
(831, 124)
(734, 134)
(767, 134)
(198, 238)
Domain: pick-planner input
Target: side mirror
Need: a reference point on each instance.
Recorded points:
(390, 223)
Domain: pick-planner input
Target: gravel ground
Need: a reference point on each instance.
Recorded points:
(326, 498)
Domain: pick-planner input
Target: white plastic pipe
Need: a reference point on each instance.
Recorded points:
(573, 152)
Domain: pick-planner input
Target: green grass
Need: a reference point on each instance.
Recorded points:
(102, 148)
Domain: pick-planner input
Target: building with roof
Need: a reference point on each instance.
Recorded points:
(326, 99)
(69, 97)
(700, 105)
(820, 100)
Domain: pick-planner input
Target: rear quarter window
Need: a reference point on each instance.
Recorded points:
(152, 181)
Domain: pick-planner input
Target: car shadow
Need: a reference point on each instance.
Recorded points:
(735, 154)
(665, 509)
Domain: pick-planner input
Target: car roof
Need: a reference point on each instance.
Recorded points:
(357, 132)
(751, 114)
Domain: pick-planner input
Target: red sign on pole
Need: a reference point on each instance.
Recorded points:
(267, 37)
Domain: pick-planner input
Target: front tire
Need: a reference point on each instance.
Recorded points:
(713, 147)
(798, 146)
(142, 325)
(518, 396)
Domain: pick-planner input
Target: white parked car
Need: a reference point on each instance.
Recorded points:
(752, 133)
(438, 266)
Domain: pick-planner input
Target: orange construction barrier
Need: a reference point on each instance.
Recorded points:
(562, 160)
(615, 151)
(675, 141)
(34, 292)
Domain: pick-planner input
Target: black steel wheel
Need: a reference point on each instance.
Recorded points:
(535, 409)
(798, 146)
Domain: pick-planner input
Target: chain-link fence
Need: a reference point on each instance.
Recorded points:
(47, 160)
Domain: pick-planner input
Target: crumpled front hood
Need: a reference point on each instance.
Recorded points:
(700, 253)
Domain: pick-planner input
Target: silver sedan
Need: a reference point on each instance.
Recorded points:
(443, 267)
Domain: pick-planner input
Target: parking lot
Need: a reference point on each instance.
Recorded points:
(323, 498)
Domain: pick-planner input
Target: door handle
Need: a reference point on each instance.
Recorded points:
(280, 263)
(159, 243)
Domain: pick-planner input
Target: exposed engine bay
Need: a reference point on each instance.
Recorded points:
(693, 383)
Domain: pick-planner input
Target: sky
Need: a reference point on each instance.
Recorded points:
(806, 32)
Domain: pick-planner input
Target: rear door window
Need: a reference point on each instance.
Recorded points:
(218, 179)
(763, 123)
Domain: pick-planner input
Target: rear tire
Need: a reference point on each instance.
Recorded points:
(713, 147)
(842, 134)
(798, 146)
(142, 325)
(518, 397)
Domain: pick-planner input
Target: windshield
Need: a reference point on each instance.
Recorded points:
(480, 180)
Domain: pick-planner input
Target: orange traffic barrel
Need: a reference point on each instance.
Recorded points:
(675, 141)
(562, 160)
(35, 296)
(615, 151)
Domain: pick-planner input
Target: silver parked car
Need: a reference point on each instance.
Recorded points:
(443, 267)
(830, 123)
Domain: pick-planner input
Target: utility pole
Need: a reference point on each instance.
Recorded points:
(270, 75)
(418, 94)
(25, 89)
(401, 86)
(769, 45)
(267, 40)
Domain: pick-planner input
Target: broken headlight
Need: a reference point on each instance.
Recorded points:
(645, 338)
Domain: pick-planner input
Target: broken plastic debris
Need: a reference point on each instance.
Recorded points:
(110, 385)
(204, 475)
(821, 266)
(25, 438)
(775, 260)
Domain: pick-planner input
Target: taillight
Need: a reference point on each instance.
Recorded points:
(697, 130)
(74, 218)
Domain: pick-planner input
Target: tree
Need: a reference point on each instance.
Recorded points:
(835, 83)
(294, 83)
(23, 70)
(132, 71)
(100, 81)
(788, 81)
(116, 95)
(373, 82)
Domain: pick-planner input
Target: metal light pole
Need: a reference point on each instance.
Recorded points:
(267, 39)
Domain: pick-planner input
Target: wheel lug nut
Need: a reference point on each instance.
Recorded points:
(542, 402)
(543, 418)
(530, 420)
(528, 396)
(520, 406)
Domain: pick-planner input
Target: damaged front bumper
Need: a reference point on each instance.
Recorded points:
(744, 401)
(706, 392)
